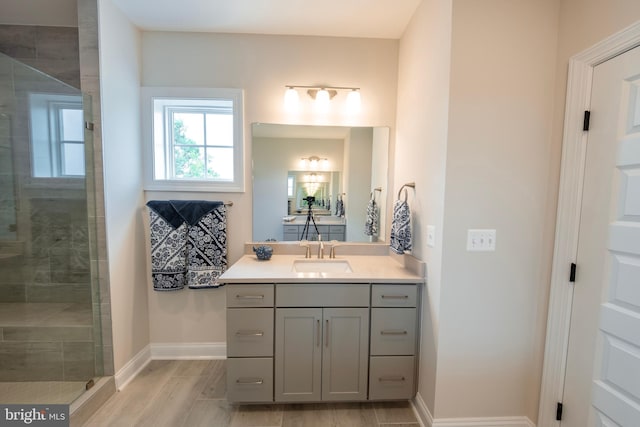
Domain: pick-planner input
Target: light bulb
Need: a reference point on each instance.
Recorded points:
(353, 101)
(322, 100)
(291, 100)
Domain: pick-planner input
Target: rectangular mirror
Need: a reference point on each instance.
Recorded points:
(319, 179)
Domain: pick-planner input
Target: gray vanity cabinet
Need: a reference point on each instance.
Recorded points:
(393, 341)
(328, 232)
(322, 342)
(313, 342)
(250, 343)
(321, 354)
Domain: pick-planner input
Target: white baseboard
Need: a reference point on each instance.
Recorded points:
(426, 419)
(188, 351)
(168, 351)
(422, 411)
(484, 422)
(132, 368)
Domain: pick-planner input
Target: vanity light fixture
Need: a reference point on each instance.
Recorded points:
(322, 96)
(314, 163)
(291, 99)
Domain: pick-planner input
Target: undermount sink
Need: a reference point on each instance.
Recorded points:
(321, 266)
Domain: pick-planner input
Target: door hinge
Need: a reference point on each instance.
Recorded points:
(572, 274)
(559, 412)
(586, 120)
(88, 125)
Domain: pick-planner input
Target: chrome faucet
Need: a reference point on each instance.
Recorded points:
(320, 247)
(305, 244)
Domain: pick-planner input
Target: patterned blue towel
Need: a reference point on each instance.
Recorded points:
(400, 240)
(188, 243)
(371, 223)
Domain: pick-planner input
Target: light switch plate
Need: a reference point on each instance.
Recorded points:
(483, 240)
(431, 236)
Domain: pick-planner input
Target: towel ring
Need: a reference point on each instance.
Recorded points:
(409, 184)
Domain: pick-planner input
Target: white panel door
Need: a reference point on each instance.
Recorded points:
(602, 384)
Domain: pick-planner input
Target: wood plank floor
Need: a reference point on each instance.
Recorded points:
(191, 393)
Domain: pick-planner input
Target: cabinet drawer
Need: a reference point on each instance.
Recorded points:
(250, 380)
(322, 295)
(322, 229)
(391, 377)
(291, 229)
(394, 295)
(249, 332)
(393, 331)
(249, 295)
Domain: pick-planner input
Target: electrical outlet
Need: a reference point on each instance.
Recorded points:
(481, 240)
(431, 236)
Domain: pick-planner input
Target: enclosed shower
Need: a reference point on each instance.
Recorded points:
(50, 332)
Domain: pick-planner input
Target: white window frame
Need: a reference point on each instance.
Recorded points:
(154, 132)
(46, 129)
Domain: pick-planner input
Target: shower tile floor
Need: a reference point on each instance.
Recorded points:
(41, 341)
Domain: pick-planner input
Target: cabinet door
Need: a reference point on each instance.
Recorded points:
(345, 353)
(298, 354)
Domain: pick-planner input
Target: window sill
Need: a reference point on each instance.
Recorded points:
(195, 186)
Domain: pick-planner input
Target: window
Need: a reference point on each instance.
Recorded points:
(290, 185)
(194, 139)
(57, 136)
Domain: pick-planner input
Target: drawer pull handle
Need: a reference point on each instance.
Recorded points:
(249, 333)
(393, 332)
(246, 381)
(395, 296)
(250, 296)
(391, 379)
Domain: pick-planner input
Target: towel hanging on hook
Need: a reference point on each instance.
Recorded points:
(400, 239)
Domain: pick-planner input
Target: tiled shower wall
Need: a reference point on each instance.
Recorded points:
(59, 245)
(52, 50)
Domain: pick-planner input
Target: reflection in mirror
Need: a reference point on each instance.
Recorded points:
(310, 180)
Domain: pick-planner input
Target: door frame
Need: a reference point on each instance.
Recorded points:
(574, 140)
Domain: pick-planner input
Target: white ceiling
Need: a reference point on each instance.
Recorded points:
(341, 18)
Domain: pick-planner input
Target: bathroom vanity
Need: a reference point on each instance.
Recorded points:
(313, 330)
(330, 228)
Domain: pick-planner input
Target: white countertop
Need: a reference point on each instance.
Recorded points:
(366, 269)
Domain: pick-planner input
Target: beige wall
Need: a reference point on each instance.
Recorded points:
(493, 304)
(120, 89)
(262, 66)
(421, 141)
